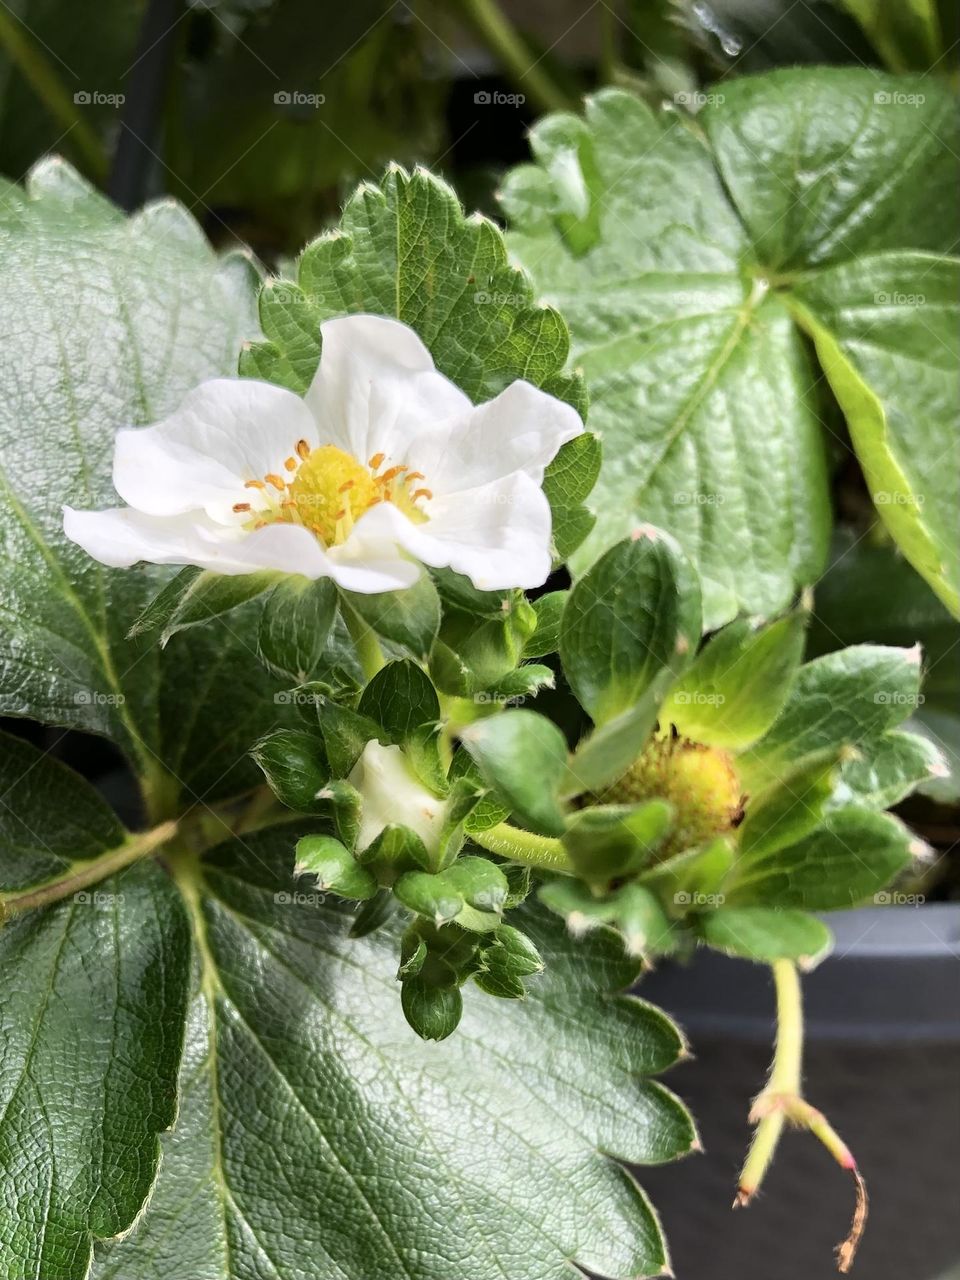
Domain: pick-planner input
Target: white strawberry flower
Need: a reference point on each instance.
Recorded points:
(383, 463)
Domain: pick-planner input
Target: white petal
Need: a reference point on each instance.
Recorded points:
(226, 431)
(498, 534)
(377, 388)
(522, 429)
(389, 793)
(121, 537)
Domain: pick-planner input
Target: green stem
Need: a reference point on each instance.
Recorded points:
(494, 29)
(38, 72)
(524, 847)
(364, 641)
(609, 52)
(82, 874)
(785, 1080)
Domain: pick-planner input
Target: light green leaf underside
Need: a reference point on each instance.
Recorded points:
(318, 1138)
(108, 321)
(701, 383)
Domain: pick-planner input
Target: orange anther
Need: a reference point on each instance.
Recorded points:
(303, 449)
(390, 475)
(344, 487)
(290, 464)
(422, 493)
(376, 460)
(241, 506)
(254, 484)
(415, 475)
(340, 514)
(278, 482)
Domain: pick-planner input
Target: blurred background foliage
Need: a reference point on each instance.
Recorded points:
(259, 115)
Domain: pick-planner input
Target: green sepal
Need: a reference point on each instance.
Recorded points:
(737, 685)
(394, 851)
(606, 842)
(607, 753)
(409, 618)
(429, 895)
(195, 596)
(373, 913)
(294, 626)
(523, 757)
(399, 699)
(633, 911)
(334, 867)
(634, 614)
(546, 637)
(480, 883)
(765, 934)
(789, 808)
(693, 877)
(345, 734)
(341, 800)
(413, 952)
(294, 764)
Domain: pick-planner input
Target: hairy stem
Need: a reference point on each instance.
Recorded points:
(782, 1103)
(784, 1079)
(82, 874)
(494, 29)
(525, 847)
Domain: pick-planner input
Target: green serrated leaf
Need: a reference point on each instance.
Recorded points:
(546, 638)
(166, 313)
(683, 304)
(321, 1032)
(80, 1112)
(405, 249)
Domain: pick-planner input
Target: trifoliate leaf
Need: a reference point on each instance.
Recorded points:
(713, 250)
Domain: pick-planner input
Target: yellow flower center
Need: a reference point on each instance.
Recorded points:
(326, 490)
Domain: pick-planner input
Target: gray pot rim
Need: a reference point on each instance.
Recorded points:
(894, 975)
